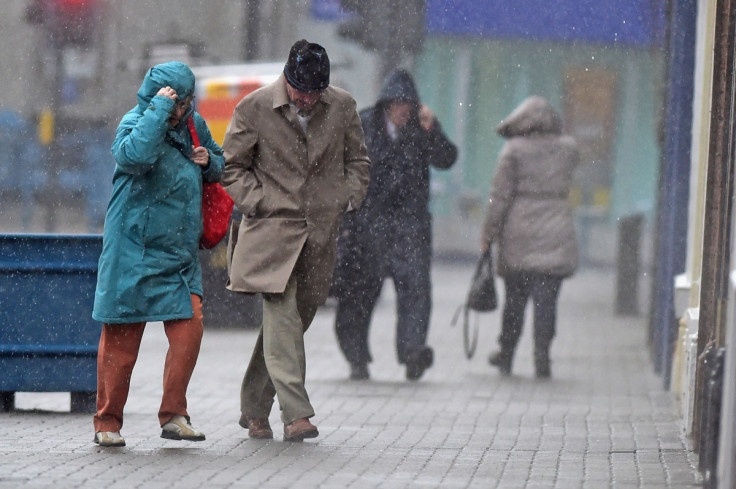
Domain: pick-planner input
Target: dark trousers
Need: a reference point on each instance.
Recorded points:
(544, 290)
(407, 262)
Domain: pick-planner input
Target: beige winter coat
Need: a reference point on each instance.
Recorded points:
(291, 188)
(529, 215)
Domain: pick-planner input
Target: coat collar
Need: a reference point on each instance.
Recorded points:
(281, 98)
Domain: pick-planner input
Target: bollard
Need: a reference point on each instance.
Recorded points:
(627, 270)
(221, 307)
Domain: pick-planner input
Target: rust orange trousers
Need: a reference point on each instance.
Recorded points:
(116, 357)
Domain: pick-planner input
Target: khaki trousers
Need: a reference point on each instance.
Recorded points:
(278, 363)
(116, 357)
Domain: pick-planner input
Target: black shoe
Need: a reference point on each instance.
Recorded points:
(359, 371)
(542, 367)
(502, 360)
(418, 361)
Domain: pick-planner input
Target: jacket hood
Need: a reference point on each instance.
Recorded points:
(398, 85)
(533, 116)
(174, 74)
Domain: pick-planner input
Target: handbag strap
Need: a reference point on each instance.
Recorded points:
(470, 333)
(193, 132)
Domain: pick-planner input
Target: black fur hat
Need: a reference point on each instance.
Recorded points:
(308, 67)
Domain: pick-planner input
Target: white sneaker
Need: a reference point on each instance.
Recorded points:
(178, 428)
(109, 439)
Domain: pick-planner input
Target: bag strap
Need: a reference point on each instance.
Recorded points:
(193, 132)
(470, 338)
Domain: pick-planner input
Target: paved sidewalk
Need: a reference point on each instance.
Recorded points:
(603, 420)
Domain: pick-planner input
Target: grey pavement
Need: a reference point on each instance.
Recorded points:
(603, 420)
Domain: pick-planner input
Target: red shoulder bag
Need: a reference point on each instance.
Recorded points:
(217, 205)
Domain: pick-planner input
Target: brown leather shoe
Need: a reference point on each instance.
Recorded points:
(300, 429)
(258, 428)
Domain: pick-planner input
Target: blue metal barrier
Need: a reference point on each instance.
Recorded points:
(48, 339)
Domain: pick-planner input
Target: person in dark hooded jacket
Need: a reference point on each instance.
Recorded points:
(390, 236)
(530, 219)
(149, 268)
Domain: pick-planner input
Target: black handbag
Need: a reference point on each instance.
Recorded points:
(481, 298)
(482, 294)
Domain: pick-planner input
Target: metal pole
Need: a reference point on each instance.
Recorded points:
(718, 201)
(674, 181)
(251, 21)
(722, 217)
(50, 198)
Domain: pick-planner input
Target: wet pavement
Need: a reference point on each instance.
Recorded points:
(602, 420)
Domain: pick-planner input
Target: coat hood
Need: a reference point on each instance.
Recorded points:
(398, 85)
(533, 116)
(174, 74)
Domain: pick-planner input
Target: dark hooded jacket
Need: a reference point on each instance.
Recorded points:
(399, 183)
(394, 223)
(529, 215)
(150, 263)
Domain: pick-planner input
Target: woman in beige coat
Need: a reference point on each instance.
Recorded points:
(530, 219)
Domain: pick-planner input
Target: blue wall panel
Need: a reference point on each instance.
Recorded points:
(637, 22)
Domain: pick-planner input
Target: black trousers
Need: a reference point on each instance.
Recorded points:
(406, 259)
(544, 290)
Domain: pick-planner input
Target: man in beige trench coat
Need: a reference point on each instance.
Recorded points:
(295, 161)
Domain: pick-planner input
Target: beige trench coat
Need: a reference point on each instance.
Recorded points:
(292, 189)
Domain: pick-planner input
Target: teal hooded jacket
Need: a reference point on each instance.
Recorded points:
(149, 264)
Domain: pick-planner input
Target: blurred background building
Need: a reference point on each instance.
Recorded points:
(76, 65)
(644, 85)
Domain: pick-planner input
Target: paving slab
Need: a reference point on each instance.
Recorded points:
(602, 420)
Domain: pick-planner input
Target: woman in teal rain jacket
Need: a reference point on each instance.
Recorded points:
(149, 269)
